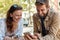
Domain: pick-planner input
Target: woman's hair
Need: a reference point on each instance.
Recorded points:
(9, 19)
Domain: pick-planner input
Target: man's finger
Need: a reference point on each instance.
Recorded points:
(28, 37)
(34, 37)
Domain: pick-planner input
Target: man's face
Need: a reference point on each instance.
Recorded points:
(42, 10)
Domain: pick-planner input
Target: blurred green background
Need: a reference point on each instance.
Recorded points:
(28, 8)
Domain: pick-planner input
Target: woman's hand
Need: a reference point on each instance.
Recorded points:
(15, 37)
(10, 38)
(7, 38)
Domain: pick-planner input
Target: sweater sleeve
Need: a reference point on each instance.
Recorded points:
(2, 29)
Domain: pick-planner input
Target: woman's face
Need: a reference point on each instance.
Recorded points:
(17, 15)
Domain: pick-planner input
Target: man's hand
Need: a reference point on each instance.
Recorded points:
(28, 36)
(38, 35)
(31, 37)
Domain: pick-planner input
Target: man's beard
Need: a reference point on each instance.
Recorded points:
(44, 15)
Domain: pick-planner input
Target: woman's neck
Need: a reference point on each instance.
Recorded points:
(15, 25)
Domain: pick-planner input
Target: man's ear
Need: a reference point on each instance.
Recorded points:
(48, 7)
(11, 15)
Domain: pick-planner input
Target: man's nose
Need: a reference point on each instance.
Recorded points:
(40, 11)
(19, 17)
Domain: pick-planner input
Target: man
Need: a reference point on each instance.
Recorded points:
(46, 23)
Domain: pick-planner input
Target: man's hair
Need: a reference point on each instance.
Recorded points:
(42, 2)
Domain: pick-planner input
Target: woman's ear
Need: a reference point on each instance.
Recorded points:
(11, 15)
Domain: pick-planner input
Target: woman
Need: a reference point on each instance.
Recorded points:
(11, 27)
